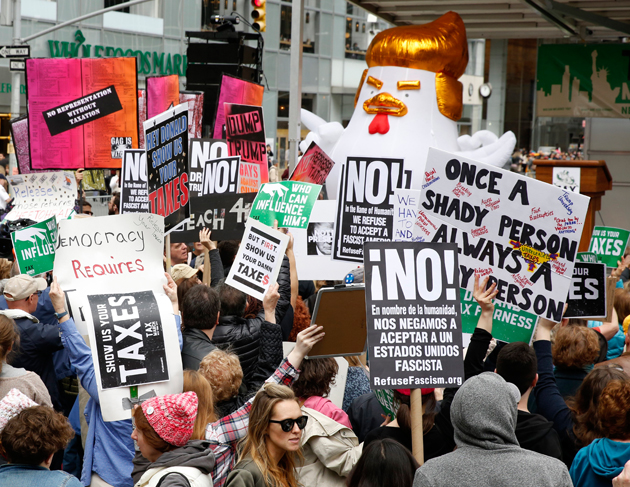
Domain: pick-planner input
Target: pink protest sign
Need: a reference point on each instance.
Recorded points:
(235, 90)
(313, 167)
(162, 94)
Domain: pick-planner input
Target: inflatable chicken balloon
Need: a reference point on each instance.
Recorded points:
(409, 100)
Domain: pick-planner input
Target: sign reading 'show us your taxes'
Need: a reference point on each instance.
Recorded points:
(521, 232)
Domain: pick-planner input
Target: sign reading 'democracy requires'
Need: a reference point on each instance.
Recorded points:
(413, 315)
(587, 294)
(35, 247)
(509, 323)
(313, 167)
(609, 244)
(105, 264)
(522, 232)
(166, 139)
(258, 260)
(366, 203)
(38, 196)
(288, 202)
(406, 203)
(134, 195)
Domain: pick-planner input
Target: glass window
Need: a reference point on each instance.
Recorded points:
(111, 3)
(309, 29)
(208, 9)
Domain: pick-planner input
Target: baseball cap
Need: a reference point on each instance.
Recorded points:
(182, 271)
(22, 286)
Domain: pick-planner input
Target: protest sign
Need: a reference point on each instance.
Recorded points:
(162, 94)
(81, 111)
(19, 136)
(35, 247)
(509, 323)
(522, 232)
(245, 133)
(258, 260)
(406, 204)
(219, 176)
(202, 150)
(288, 202)
(313, 167)
(38, 196)
(235, 90)
(313, 246)
(134, 195)
(111, 270)
(609, 244)
(413, 315)
(567, 178)
(194, 99)
(249, 177)
(387, 401)
(586, 257)
(365, 200)
(223, 214)
(94, 180)
(142, 116)
(587, 294)
(166, 139)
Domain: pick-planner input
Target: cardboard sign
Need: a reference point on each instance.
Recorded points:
(130, 343)
(406, 205)
(38, 196)
(609, 244)
(313, 246)
(313, 167)
(77, 107)
(245, 133)
(567, 178)
(223, 214)
(509, 323)
(366, 203)
(586, 257)
(587, 294)
(287, 202)
(166, 138)
(134, 195)
(522, 232)
(258, 260)
(35, 247)
(413, 315)
(110, 268)
(249, 177)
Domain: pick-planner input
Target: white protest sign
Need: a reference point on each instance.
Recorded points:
(38, 196)
(258, 260)
(111, 270)
(567, 178)
(406, 203)
(134, 193)
(522, 232)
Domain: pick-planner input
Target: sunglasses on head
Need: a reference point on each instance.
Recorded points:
(287, 424)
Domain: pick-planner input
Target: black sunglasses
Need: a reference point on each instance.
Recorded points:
(287, 424)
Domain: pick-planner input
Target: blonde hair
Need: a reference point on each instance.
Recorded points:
(8, 336)
(224, 373)
(254, 444)
(197, 383)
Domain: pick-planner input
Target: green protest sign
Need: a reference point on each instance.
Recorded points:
(388, 403)
(609, 244)
(587, 257)
(289, 202)
(509, 323)
(35, 247)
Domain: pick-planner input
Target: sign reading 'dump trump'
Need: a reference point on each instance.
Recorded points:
(587, 294)
(413, 315)
(365, 200)
(522, 232)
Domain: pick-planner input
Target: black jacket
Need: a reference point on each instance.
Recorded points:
(196, 346)
(242, 336)
(535, 433)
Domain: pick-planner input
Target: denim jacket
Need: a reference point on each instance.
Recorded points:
(23, 475)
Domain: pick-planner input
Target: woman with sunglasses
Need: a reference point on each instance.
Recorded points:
(268, 456)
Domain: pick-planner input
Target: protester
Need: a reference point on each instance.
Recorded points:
(29, 383)
(200, 315)
(270, 452)
(38, 341)
(29, 441)
(600, 462)
(87, 209)
(574, 352)
(384, 462)
(228, 250)
(197, 383)
(109, 449)
(164, 428)
(183, 272)
(179, 253)
(484, 414)
(185, 286)
(357, 382)
(113, 205)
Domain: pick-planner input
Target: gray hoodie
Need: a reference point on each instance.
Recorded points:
(194, 461)
(484, 415)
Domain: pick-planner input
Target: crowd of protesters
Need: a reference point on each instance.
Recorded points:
(553, 413)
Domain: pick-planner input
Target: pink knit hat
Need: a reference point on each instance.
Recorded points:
(172, 416)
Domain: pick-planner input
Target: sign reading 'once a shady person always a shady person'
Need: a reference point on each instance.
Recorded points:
(413, 315)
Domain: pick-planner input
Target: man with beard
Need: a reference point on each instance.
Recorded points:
(114, 204)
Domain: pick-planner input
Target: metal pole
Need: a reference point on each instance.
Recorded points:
(16, 76)
(82, 17)
(295, 82)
